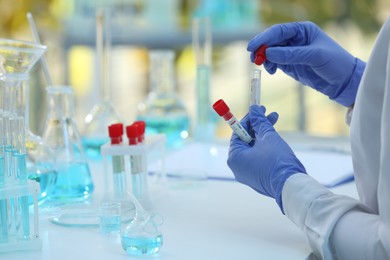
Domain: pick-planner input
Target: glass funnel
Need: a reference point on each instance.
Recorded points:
(16, 60)
(74, 182)
(103, 113)
(163, 111)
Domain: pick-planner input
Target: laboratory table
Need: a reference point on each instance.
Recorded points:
(203, 219)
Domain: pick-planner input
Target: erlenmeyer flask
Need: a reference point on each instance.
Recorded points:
(163, 111)
(103, 113)
(16, 60)
(74, 182)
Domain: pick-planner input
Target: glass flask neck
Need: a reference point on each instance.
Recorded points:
(60, 102)
(162, 74)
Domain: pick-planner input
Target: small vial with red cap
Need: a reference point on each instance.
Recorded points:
(115, 132)
(224, 111)
(138, 163)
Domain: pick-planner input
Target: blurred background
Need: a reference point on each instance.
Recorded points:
(67, 27)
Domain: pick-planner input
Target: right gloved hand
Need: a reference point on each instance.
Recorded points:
(303, 51)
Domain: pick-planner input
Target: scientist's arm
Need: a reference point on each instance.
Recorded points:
(303, 51)
(337, 227)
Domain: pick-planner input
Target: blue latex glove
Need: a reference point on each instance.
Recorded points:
(267, 164)
(303, 51)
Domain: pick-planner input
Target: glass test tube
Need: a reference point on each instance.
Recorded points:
(138, 163)
(118, 161)
(20, 174)
(11, 209)
(224, 111)
(202, 46)
(3, 202)
(255, 87)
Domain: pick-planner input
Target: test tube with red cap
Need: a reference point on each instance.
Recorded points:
(141, 130)
(138, 164)
(224, 111)
(115, 132)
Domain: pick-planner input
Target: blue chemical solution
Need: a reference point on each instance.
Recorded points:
(142, 245)
(3, 206)
(47, 182)
(175, 127)
(74, 182)
(110, 224)
(118, 169)
(92, 147)
(20, 168)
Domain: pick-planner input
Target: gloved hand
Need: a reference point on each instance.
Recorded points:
(267, 164)
(303, 51)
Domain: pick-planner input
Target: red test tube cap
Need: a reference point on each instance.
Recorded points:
(141, 129)
(115, 132)
(132, 132)
(260, 56)
(220, 107)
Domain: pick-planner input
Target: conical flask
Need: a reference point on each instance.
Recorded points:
(103, 113)
(74, 182)
(16, 60)
(163, 111)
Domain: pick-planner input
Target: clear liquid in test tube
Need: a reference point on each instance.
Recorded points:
(255, 87)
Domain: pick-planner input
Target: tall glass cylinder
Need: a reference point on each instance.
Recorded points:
(163, 111)
(103, 113)
(204, 127)
(74, 182)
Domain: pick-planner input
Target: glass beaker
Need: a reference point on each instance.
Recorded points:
(74, 182)
(16, 60)
(163, 111)
(103, 113)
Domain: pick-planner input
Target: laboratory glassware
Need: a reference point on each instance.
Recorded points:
(16, 60)
(255, 87)
(110, 217)
(15, 189)
(74, 182)
(115, 132)
(163, 111)
(138, 165)
(103, 113)
(224, 111)
(142, 236)
(204, 127)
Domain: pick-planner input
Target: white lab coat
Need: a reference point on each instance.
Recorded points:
(339, 227)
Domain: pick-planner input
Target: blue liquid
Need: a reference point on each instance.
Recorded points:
(110, 224)
(74, 183)
(2, 171)
(118, 169)
(141, 245)
(47, 182)
(20, 169)
(175, 127)
(92, 147)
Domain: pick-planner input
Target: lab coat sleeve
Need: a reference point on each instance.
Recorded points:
(337, 227)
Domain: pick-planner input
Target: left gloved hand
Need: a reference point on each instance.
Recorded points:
(269, 162)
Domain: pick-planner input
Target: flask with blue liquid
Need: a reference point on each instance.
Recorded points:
(74, 182)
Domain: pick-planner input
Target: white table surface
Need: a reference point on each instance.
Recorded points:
(203, 219)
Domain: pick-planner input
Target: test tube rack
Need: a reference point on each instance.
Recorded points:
(152, 150)
(15, 191)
